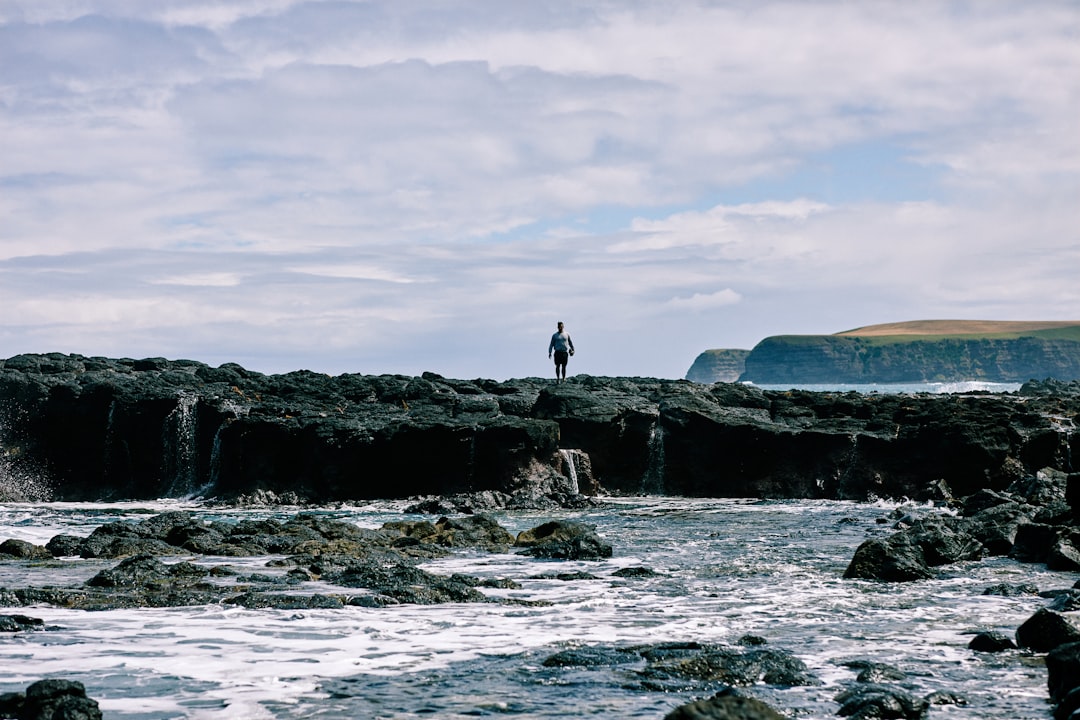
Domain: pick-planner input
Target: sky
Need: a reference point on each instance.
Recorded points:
(400, 187)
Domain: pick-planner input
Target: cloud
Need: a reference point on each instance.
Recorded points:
(416, 186)
(704, 301)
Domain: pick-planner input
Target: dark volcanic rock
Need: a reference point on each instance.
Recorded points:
(725, 706)
(991, 642)
(910, 553)
(1063, 671)
(101, 429)
(51, 700)
(564, 540)
(20, 623)
(867, 701)
(1045, 630)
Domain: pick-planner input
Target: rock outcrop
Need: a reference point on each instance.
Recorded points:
(78, 428)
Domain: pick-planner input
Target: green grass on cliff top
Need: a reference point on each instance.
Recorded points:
(935, 330)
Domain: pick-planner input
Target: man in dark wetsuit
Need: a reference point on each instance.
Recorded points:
(563, 348)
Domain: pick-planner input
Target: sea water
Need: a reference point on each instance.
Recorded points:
(934, 388)
(723, 569)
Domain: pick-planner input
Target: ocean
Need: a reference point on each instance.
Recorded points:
(723, 569)
(934, 388)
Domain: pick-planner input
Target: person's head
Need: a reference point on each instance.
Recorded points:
(560, 326)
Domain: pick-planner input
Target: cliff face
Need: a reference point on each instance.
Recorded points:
(99, 429)
(718, 366)
(852, 359)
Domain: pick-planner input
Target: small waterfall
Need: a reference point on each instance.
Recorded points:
(652, 483)
(181, 447)
(571, 468)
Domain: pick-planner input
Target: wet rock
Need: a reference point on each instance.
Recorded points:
(405, 583)
(475, 531)
(1063, 670)
(564, 540)
(277, 601)
(897, 558)
(1065, 552)
(867, 701)
(20, 623)
(65, 546)
(996, 527)
(984, 499)
(1007, 590)
(1045, 630)
(592, 657)
(1069, 707)
(1065, 601)
(875, 672)
(991, 642)
(1034, 542)
(146, 571)
(24, 550)
(740, 667)
(725, 706)
(910, 553)
(635, 572)
(51, 700)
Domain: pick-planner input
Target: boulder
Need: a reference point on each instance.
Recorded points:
(865, 701)
(1063, 671)
(24, 550)
(1064, 554)
(1045, 630)
(894, 559)
(1033, 542)
(991, 642)
(725, 706)
(563, 540)
(58, 700)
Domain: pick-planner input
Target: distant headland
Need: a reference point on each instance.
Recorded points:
(905, 352)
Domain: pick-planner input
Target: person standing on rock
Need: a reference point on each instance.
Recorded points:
(563, 347)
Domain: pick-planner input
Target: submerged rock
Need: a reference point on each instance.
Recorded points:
(725, 706)
(51, 700)
(563, 540)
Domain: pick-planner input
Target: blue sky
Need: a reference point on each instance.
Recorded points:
(387, 187)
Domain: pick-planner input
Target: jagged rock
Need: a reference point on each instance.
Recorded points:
(725, 706)
(65, 546)
(1007, 590)
(108, 429)
(479, 531)
(1063, 670)
(1033, 542)
(1045, 630)
(592, 657)
(405, 583)
(24, 550)
(564, 540)
(1064, 554)
(910, 553)
(51, 700)
(991, 642)
(740, 667)
(146, 571)
(867, 701)
(20, 623)
(996, 526)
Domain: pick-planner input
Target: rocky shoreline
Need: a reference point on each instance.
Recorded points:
(77, 428)
(993, 474)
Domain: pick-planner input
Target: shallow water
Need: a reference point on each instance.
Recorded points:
(725, 568)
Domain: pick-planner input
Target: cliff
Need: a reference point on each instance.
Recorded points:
(922, 351)
(718, 366)
(77, 428)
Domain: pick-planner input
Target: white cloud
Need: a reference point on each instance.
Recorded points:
(393, 186)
